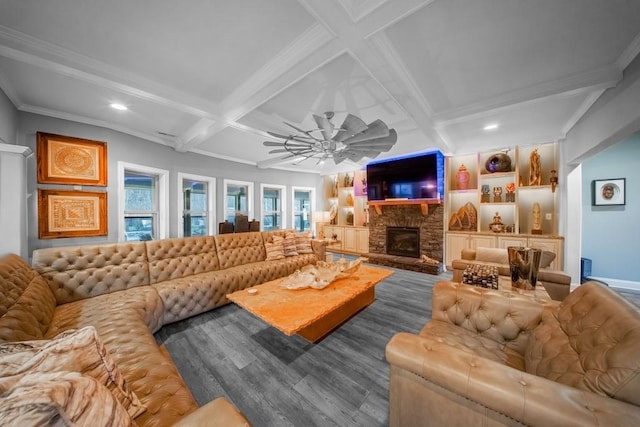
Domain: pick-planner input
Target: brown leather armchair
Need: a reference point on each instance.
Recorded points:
(489, 359)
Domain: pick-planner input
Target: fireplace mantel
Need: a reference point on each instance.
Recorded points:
(424, 204)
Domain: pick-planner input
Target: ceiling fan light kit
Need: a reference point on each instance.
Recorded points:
(353, 140)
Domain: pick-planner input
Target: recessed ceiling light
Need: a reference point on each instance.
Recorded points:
(491, 126)
(120, 107)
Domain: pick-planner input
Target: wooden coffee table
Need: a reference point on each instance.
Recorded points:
(312, 313)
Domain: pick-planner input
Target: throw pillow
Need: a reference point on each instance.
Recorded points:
(290, 245)
(546, 259)
(303, 243)
(61, 399)
(275, 248)
(77, 351)
(497, 255)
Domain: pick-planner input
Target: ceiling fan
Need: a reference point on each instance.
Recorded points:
(353, 140)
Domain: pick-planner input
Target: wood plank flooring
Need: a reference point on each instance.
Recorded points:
(277, 380)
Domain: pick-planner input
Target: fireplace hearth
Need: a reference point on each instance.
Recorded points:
(403, 241)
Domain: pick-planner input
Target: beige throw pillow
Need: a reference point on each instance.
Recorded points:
(290, 245)
(303, 243)
(275, 248)
(76, 351)
(61, 399)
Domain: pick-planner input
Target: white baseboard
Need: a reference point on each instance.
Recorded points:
(617, 283)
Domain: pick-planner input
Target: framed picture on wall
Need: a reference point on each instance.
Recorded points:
(71, 214)
(69, 160)
(608, 192)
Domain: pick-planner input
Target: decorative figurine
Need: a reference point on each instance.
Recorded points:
(497, 226)
(485, 197)
(497, 194)
(535, 171)
(537, 219)
(510, 196)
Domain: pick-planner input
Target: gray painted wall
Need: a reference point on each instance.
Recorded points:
(610, 234)
(122, 147)
(8, 120)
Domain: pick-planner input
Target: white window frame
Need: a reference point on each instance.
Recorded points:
(283, 203)
(163, 197)
(211, 201)
(249, 186)
(312, 199)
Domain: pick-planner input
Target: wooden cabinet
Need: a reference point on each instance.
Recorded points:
(519, 195)
(349, 239)
(362, 240)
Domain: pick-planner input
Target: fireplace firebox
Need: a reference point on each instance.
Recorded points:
(403, 241)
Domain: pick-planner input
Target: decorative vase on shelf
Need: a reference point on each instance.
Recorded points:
(349, 218)
(462, 178)
(498, 162)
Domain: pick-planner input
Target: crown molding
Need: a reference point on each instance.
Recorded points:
(16, 149)
(94, 122)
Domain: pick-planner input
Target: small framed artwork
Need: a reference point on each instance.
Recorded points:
(71, 214)
(69, 160)
(609, 192)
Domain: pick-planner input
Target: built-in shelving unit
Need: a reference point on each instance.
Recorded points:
(516, 211)
(346, 200)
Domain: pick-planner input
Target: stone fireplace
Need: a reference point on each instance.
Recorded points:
(426, 222)
(403, 241)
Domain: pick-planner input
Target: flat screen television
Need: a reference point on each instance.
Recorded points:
(411, 177)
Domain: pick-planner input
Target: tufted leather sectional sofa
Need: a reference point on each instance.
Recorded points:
(491, 360)
(127, 291)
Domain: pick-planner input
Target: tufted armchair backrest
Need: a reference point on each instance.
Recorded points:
(175, 258)
(240, 248)
(591, 342)
(80, 272)
(508, 321)
(26, 301)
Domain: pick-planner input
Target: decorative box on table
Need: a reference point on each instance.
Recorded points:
(485, 276)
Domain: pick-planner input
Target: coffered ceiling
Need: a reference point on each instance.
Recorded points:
(212, 76)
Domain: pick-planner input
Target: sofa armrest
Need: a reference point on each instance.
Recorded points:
(521, 396)
(218, 412)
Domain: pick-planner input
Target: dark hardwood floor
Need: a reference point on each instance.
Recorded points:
(277, 380)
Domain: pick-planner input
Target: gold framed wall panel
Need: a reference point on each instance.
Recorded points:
(69, 160)
(71, 214)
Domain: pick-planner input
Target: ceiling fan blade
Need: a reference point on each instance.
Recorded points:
(377, 129)
(282, 144)
(389, 139)
(306, 132)
(325, 126)
(281, 150)
(290, 137)
(352, 125)
(339, 158)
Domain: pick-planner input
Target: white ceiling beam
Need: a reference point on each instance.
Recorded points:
(377, 56)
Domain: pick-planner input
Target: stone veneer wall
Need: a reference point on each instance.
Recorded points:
(431, 235)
